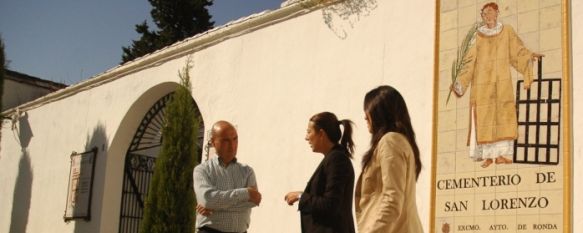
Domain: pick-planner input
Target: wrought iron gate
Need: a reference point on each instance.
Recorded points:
(539, 112)
(140, 163)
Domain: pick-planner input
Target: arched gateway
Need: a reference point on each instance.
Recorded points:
(139, 165)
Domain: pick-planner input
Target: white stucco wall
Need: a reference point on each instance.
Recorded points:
(272, 87)
(77, 123)
(268, 82)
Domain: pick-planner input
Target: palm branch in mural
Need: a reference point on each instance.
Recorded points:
(462, 51)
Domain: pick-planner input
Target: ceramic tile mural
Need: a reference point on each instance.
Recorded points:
(501, 152)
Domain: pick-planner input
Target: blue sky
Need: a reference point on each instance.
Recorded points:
(69, 41)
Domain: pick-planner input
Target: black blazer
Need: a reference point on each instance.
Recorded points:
(326, 204)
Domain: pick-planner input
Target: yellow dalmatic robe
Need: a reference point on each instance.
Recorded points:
(487, 71)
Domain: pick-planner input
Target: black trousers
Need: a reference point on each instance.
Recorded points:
(206, 229)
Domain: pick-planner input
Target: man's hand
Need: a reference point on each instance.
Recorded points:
(200, 209)
(254, 195)
(537, 56)
(292, 197)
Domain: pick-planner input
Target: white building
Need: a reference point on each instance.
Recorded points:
(267, 73)
(20, 88)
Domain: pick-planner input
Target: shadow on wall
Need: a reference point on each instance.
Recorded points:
(22, 194)
(23, 187)
(342, 16)
(97, 139)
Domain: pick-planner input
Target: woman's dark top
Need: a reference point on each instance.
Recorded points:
(326, 204)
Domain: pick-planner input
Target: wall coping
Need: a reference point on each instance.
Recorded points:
(198, 42)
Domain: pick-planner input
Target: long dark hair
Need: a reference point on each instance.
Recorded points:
(328, 122)
(388, 112)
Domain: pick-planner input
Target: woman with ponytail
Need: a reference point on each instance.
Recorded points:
(326, 203)
(385, 190)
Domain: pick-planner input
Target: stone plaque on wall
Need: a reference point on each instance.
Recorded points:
(80, 185)
(501, 124)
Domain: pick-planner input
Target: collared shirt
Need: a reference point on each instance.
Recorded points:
(223, 189)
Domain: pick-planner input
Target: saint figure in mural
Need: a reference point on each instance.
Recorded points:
(486, 70)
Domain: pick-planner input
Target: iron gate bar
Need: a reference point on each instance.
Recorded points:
(156, 110)
(138, 169)
(541, 123)
(544, 101)
(537, 126)
(135, 192)
(140, 163)
(134, 185)
(549, 109)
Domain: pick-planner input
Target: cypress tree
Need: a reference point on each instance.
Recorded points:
(170, 203)
(175, 20)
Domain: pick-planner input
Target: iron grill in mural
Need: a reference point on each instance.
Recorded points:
(539, 114)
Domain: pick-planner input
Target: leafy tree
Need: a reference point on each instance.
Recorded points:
(175, 20)
(170, 203)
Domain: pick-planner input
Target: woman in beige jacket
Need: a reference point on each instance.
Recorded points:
(385, 190)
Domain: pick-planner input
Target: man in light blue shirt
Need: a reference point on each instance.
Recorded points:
(225, 189)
